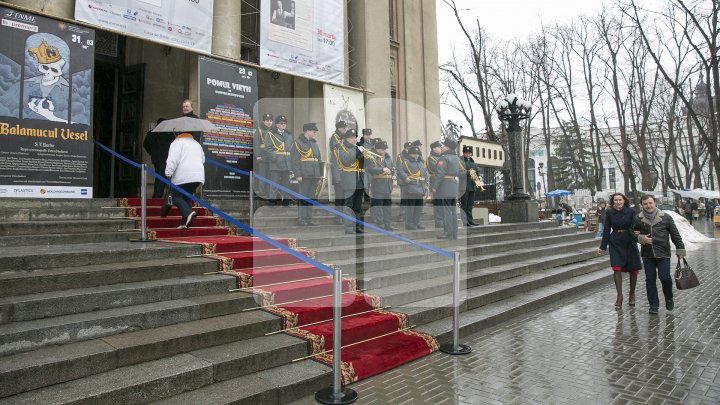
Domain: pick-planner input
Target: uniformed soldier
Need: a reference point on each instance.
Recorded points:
(467, 199)
(381, 174)
(431, 165)
(445, 187)
(398, 162)
(334, 143)
(307, 166)
(350, 161)
(419, 144)
(277, 146)
(260, 163)
(413, 174)
(366, 140)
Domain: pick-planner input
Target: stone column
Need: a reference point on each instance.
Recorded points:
(227, 36)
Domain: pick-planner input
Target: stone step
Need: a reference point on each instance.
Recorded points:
(36, 257)
(29, 335)
(63, 227)
(437, 308)
(477, 319)
(67, 238)
(65, 278)
(60, 214)
(12, 203)
(236, 344)
(75, 301)
(279, 385)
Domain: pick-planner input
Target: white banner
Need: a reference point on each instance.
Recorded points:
(304, 38)
(186, 23)
(20, 191)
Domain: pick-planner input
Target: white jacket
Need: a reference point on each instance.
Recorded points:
(185, 162)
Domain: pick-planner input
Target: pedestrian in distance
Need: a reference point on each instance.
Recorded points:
(186, 169)
(618, 235)
(157, 145)
(600, 213)
(654, 230)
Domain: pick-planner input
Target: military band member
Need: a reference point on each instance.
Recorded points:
(277, 146)
(334, 143)
(367, 140)
(412, 173)
(307, 166)
(351, 167)
(431, 165)
(445, 187)
(260, 162)
(398, 162)
(467, 199)
(381, 173)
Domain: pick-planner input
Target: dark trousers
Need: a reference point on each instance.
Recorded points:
(184, 203)
(381, 209)
(653, 269)
(437, 213)
(449, 217)
(282, 178)
(260, 187)
(688, 216)
(353, 207)
(403, 196)
(159, 188)
(413, 209)
(466, 205)
(307, 189)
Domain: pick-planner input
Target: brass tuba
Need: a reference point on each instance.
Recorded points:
(477, 180)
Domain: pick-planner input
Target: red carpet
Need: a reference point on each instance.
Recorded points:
(374, 340)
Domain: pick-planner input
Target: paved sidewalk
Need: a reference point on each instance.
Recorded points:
(579, 351)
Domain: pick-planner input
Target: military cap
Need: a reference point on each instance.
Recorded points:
(435, 144)
(381, 145)
(467, 148)
(349, 134)
(341, 124)
(414, 150)
(450, 143)
(417, 143)
(367, 131)
(310, 126)
(267, 116)
(407, 145)
(280, 118)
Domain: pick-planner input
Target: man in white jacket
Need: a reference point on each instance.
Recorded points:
(185, 168)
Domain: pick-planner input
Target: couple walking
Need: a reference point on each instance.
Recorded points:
(623, 229)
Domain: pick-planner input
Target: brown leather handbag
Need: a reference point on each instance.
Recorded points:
(685, 277)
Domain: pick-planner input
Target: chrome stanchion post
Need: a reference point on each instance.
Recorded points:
(143, 205)
(252, 199)
(336, 394)
(456, 348)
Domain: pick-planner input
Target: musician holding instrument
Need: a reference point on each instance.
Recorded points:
(431, 165)
(381, 172)
(260, 160)
(445, 187)
(413, 174)
(277, 146)
(398, 163)
(307, 166)
(467, 200)
(351, 166)
(334, 143)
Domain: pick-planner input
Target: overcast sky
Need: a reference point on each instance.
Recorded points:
(504, 20)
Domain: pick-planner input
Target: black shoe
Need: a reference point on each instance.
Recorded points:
(470, 224)
(419, 227)
(474, 223)
(653, 311)
(669, 305)
(359, 230)
(165, 210)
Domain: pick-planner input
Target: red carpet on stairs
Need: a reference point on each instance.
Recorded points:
(374, 340)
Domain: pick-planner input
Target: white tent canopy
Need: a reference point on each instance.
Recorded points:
(697, 193)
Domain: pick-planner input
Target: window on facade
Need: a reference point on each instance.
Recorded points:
(483, 153)
(477, 151)
(500, 153)
(611, 176)
(495, 154)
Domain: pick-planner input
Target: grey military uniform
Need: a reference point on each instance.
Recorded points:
(413, 174)
(306, 163)
(431, 165)
(445, 185)
(277, 150)
(260, 166)
(350, 165)
(381, 185)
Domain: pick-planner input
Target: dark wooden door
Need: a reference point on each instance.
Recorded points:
(129, 131)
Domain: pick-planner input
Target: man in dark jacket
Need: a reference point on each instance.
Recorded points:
(445, 187)
(656, 229)
(157, 145)
(306, 164)
(467, 200)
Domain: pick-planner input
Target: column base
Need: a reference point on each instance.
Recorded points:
(519, 211)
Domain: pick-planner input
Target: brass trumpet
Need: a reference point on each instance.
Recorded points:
(370, 155)
(477, 180)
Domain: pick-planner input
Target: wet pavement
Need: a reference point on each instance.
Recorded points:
(579, 351)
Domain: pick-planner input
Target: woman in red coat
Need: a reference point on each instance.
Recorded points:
(624, 255)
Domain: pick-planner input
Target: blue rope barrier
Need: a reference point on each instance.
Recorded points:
(336, 212)
(224, 216)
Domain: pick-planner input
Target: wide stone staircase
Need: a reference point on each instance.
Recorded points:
(87, 317)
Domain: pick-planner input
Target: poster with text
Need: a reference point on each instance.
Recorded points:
(304, 38)
(186, 23)
(228, 93)
(46, 88)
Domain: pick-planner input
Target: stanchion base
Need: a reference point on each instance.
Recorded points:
(450, 348)
(143, 240)
(327, 396)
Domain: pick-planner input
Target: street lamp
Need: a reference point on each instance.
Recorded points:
(541, 165)
(512, 109)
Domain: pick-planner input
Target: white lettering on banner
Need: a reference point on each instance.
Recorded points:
(20, 25)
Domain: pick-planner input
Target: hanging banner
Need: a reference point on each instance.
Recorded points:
(46, 88)
(304, 38)
(228, 93)
(186, 23)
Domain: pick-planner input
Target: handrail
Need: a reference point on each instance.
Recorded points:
(324, 207)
